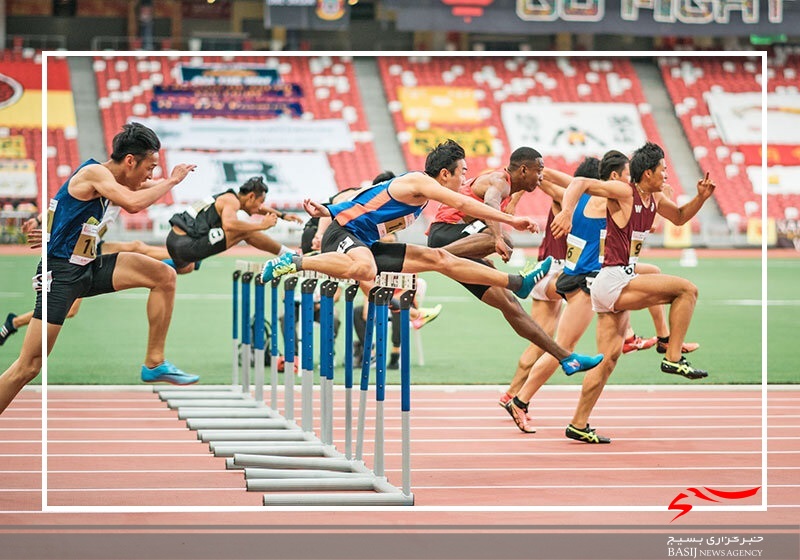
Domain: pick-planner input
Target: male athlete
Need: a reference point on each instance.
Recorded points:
(75, 270)
(458, 232)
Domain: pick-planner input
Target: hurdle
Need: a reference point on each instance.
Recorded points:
(289, 462)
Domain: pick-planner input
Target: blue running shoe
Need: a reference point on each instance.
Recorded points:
(278, 267)
(167, 373)
(578, 362)
(530, 276)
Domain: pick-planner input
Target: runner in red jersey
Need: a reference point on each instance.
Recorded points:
(617, 289)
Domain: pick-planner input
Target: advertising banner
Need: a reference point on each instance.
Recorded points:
(18, 178)
(574, 130)
(439, 104)
(228, 74)
(737, 117)
(290, 177)
(326, 135)
(780, 179)
(476, 142)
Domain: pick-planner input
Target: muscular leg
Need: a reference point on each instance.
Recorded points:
(653, 289)
(522, 323)
(610, 332)
(475, 246)
(656, 311)
(27, 366)
(574, 321)
(357, 264)
(159, 253)
(259, 240)
(137, 271)
(546, 314)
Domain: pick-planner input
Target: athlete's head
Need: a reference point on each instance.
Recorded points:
(526, 168)
(648, 169)
(252, 193)
(382, 177)
(447, 164)
(136, 149)
(589, 167)
(615, 166)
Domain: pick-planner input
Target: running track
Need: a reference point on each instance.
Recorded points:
(124, 447)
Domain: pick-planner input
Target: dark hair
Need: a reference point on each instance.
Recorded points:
(135, 139)
(612, 161)
(646, 157)
(255, 185)
(521, 156)
(383, 176)
(589, 167)
(444, 156)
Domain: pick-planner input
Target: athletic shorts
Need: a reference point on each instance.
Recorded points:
(568, 283)
(608, 285)
(70, 282)
(539, 292)
(185, 250)
(441, 234)
(389, 257)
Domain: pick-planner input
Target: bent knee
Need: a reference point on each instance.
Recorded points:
(363, 271)
(166, 277)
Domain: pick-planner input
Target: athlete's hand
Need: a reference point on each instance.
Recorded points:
(180, 171)
(269, 220)
(30, 225)
(562, 224)
(35, 238)
(316, 243)
(502, 249)
(705, 187)
(524, 223)
(315, 209)
(292, 218)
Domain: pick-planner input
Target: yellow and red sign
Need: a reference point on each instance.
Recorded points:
(21, 95)
(476, 142)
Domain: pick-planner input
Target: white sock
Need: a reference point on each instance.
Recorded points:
(284, 249)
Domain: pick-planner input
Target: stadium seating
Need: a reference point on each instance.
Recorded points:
(688, 80)
(501, 79)
(125, 90)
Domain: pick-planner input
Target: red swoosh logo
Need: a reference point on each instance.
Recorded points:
(685, 508)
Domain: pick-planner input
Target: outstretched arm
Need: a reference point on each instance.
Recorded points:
(133, 201)
(562, 223)
(228, 205)
(680, 215)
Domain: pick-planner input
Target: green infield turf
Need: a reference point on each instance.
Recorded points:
(468, 343)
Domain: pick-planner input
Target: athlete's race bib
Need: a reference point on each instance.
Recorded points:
(475, 227)
(397, 224)
(575, 246)
(602, 254)
(37, 281)
(85, 250)
(637, 241)
(51, 213)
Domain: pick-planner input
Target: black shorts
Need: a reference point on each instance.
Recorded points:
(568, 283)
(72, 281)
(442, 234)
(389, 257)
(185, 250)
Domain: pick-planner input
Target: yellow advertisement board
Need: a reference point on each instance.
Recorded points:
(437, 104)
(476, 142)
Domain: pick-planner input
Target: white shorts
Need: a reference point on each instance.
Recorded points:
(539, 292)
(608, 285)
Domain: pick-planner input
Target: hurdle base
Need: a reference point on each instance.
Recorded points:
(340, 499)
(185, 413)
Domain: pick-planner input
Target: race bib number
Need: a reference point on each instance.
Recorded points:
(397, 224)
(85, 250)
(215, 235)
(575, 246)
(603, 233)
(51, 212)
(637, 241)
(37, 281)
(475, 227)
(199, 206)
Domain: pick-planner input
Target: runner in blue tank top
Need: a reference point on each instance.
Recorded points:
(75, 270)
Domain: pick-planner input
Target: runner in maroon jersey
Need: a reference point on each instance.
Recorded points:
(617, 289)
